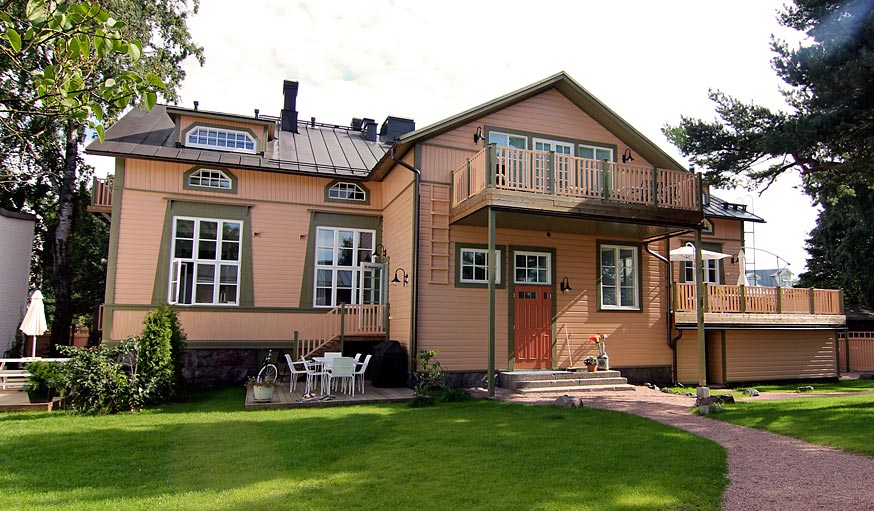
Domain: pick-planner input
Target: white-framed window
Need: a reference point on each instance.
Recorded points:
(711, 271)
(210, 178)
(473, 266)
(532, 268)
(341, 254)
(553, 145)
(205, 261)
(347, 191)
(507, 140)
(220, 138)
(619, 282)
(595, 153)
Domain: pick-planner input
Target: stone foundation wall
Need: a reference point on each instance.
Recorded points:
(660, 375)
(220, 367)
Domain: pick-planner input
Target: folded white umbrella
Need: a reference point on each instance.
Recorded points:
(742, 269)
(34, 322)
(687, 253)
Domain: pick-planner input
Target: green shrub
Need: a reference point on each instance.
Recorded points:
(104, 380)
(429, 380)
(160, 352)
(45, 377)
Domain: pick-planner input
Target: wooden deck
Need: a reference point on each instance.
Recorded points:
(283, 399)
(17, 401)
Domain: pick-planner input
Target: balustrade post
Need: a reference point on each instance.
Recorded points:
(779, 300)
(743, 298)
(342, 325)
(551, 173)
(655, 186)
(605, 180)
(812, 295)
(296, 350)
(675, 296)
(491, 165)
(841, 301)
(387, 323)
(452, 197)
(706, 297)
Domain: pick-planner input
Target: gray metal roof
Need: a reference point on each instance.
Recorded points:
(320, 149)
(719, 208)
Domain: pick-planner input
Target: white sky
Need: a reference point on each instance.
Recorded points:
(651, 62)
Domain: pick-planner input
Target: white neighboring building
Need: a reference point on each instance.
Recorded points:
(16, 246)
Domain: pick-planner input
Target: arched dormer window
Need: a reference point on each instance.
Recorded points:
(346, 191)
(220, 138)
(213, 180)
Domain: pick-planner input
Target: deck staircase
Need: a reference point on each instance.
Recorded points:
(528, 382)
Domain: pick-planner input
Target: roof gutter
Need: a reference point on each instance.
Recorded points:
(414, 312)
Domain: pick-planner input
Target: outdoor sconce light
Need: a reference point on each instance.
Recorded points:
(396, 280)
(565, 285)
(379, 253)
(478, 135)
(626, 156)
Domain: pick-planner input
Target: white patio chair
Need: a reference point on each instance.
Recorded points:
(332, 354)
(359, 372)
(342, 370)
(295, 369)
(357, 359)
(316, 374)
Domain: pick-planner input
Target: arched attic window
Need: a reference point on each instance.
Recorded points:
(346, 191)
(210, 179)
(220, 138)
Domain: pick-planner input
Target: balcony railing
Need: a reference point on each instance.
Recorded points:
(550, 173)
(759, 300)
(101, 192)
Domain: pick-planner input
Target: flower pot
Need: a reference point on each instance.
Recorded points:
(592, 368)
(43, 395)
(262, 392)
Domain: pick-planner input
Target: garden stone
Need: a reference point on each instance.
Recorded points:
(805, 388)
(725, 399)
(566, 401)
(751, 392)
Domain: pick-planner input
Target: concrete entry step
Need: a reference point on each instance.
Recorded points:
(586, 388)
(569, 382)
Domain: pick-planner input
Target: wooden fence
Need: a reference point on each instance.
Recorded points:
(856, 351)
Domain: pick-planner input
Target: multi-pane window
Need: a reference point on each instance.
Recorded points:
(595, 153)
(474, 266)
(619, 283)
(506, 140)
(532, 268)
(340, 254)
(711, 271)
(205, 263)
(347, 191)
(208, 178)
(219, 138)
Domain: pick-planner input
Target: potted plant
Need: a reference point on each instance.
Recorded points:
(262, 390)
(44, 380)
(591, 363)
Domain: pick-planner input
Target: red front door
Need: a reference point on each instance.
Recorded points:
(532, 315)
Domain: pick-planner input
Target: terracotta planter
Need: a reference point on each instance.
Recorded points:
(262, 392)
(592, 368)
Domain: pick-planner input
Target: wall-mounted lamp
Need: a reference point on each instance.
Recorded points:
(379, 251)
(565, 285)
(396, 280)
(626, 156)
(478, 135)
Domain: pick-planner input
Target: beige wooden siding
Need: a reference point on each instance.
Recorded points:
(139, 240)
(757, 355)
(455, 320)
(397, 237)
(687, 357)
(252, 185)
(220, 326)
(436, 159)
(548, 113)
(714, 357)
(279, 243)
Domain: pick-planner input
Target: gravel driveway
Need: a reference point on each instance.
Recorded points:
(766, 471)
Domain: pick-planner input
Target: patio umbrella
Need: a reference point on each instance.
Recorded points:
(742, 269)
(687, 253)
(34, 322)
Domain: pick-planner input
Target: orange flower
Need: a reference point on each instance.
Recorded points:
(597, 338)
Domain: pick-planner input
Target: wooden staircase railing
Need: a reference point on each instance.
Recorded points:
(337, 323)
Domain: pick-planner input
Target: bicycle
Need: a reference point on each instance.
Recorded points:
(268, 372)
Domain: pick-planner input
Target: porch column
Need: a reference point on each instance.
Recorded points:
(699, 293)
(492, 269)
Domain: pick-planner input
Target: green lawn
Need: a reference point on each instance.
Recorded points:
(845, 422)
(208, 454)
(818, 386)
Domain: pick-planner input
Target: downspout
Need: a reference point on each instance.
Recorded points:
(672, 341)
(414, 312)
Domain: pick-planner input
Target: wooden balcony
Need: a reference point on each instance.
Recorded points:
(765, 306)
(565, 184)
(101, 198)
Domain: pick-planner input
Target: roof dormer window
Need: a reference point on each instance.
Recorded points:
(221, 139)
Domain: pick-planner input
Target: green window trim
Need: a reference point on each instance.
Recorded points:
(638, 275)
(530, 135)
(331, 219)
(187, 208)
(337, 200)
(502, 267)
(186, 177)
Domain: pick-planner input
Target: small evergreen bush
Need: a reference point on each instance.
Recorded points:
(160, 352)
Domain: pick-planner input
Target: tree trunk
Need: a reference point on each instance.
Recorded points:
(61, 270)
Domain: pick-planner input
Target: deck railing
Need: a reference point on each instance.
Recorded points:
(101, 192)
(550, 173)
(759, 300)
(338, 322)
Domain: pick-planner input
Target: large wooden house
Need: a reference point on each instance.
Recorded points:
(278, 232)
